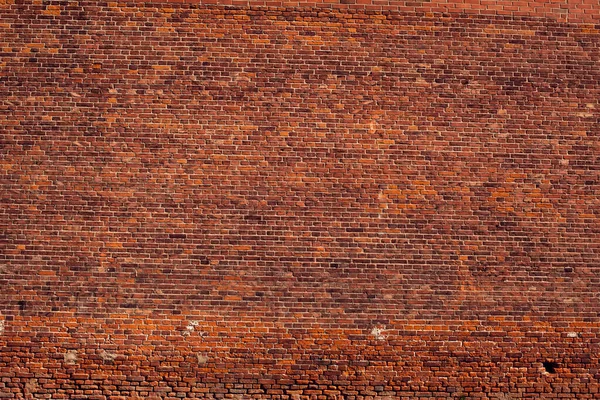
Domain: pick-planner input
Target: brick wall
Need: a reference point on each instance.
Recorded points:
(560, 10)
(353, 201)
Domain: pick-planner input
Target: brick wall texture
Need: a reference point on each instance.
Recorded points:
(288, 200)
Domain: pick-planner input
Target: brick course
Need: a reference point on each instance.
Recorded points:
(299, 200)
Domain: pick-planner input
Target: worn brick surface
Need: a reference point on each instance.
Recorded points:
(299, 201)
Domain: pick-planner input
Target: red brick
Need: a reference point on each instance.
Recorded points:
(361, 199)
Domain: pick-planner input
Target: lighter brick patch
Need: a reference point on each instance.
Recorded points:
(202, 359)
(108, 357)
(70, 357)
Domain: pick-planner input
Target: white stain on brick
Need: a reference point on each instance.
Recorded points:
(2, 325)
(190, 328)
(378, 333)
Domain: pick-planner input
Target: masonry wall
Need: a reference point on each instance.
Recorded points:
(348, 200)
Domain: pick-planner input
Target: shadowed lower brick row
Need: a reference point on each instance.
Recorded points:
(299, 201)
